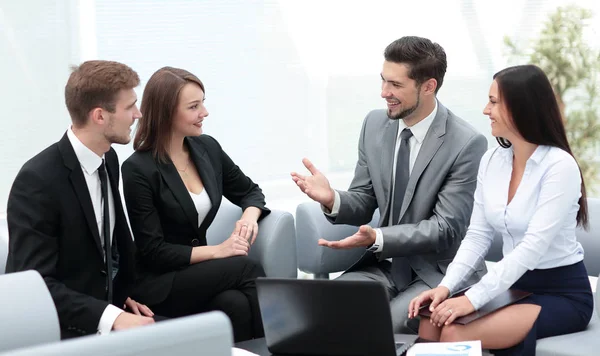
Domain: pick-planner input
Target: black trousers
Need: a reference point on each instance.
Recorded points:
(226, 284)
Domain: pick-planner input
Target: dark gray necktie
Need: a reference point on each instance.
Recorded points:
(402, 174)
(401, 270)
(108, 255)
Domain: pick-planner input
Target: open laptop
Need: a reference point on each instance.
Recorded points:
(323, 317)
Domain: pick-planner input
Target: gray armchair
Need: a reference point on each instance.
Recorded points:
(3, 244)
(311, 225)
(275, 246)
(201, 334)
(27, 313)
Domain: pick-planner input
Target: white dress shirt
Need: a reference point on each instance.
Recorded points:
(419, 131)
(537, 226)
(202, 204)
(90, 162)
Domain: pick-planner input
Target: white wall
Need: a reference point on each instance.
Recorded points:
(284, 79)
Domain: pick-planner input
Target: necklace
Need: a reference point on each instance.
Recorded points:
(184, 171)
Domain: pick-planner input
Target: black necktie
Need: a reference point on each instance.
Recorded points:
(402, 174)
(106, 230)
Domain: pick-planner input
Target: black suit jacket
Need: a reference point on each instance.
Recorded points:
(162, 214)
(52, 229)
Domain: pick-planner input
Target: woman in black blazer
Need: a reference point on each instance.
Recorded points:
(173, 186)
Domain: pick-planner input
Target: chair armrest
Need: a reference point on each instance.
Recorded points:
(200, 334)
(27, 313)
(275, 246)
(3, 244)
(311, 225)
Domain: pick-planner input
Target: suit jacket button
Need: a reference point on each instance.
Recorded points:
(195, 242)
(103, 272)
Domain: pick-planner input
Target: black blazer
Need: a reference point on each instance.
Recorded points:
(162, 214)
(52, 229)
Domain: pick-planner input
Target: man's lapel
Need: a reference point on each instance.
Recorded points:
(431, 144)
(388, 142)
(80, 187)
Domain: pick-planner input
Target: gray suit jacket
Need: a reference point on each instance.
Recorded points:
(438, 201)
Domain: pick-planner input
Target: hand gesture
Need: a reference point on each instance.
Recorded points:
(450, 309)
(246, 228)
(316, 185)
(137, 308)
(435, 296)
(235, 245)
(127, 320)
(365, 236)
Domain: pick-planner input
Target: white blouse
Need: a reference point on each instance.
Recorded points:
(537, 227)
(202, 204)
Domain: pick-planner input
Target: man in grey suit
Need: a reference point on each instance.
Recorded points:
(418, 164)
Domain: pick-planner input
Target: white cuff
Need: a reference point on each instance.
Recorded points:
(110, 314)
(378, 240)
(335, 209)
(477, 296)
(449, 282)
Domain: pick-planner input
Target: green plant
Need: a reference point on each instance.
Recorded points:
(573, 67)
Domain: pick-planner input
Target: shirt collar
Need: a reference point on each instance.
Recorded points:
(419, 130)
(537, 156)
(89, 160)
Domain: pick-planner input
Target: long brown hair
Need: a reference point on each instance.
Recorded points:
(530, 100)
(159, 104)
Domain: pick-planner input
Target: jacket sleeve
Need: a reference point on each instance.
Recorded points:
(239, 188)
(34, 228)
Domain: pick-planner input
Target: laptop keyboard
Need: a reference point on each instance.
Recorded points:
(400, 348)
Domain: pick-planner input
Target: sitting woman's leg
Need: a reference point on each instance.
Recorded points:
(195, 287)
(502, 329)
(235, 304)
(251, 271)
(428, 331)
(499, 330)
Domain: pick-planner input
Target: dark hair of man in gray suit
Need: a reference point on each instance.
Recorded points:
(417, 164)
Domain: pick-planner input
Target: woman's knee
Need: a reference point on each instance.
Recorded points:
(452, 333)
(428, 331)
(230, 299)
(248, 267)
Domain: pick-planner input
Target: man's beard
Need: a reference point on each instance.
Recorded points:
(406, 112)
(112, 136)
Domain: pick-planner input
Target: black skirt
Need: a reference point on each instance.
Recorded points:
(566, 299)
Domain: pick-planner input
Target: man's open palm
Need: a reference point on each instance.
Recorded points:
(315, 185)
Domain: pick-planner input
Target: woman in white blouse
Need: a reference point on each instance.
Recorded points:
(530, 191)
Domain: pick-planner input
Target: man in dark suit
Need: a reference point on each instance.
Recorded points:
(417, 164)
(65, 216)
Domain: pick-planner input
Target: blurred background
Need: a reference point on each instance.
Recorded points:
(290, 79)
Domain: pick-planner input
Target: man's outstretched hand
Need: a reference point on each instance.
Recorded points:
(315, 185)
(365, 236)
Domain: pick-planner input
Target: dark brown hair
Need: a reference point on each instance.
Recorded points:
(425, 59)
(96, 84)
(529, 99)
(159, 104)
